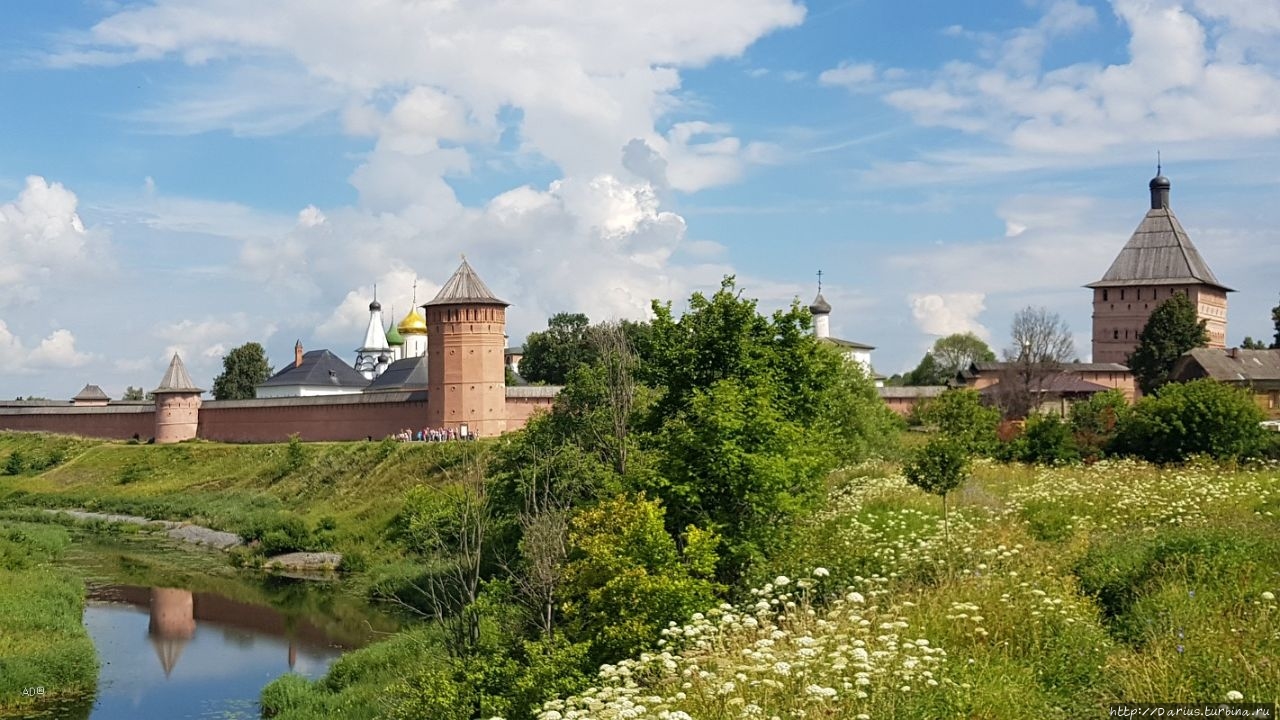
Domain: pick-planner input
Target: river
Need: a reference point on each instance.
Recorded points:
(181, 635)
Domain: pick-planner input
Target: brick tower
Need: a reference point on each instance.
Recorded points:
(466, 379)
(1157, 262)
(177, 405)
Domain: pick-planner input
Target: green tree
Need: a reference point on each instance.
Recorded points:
(1172, 330)
(1275, 320)
(243, 369)
(550, 355)
(1094, 421)
(752, 413)
(1046, 439)
(133, 394)
(1250, 344)
(626, 578)
(938, 468)
(959, 415)
(948, 356)
(1201, 417)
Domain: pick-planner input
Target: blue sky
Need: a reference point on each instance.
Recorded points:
(189, 175)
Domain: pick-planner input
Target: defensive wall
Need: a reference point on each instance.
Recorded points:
(326, 417)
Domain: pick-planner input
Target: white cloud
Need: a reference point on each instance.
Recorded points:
(849, 75)
(1202, 71)
(944, 314)
(43, 243)
(57, 351)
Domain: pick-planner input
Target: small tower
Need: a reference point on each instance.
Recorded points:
(1158, 262)
(177, 405)
(466, 384)
(374, 356)
(297, 353)
(821, 310)
(172, 624)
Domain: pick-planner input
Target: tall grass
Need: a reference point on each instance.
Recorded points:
(1062, 590)
(45, 653)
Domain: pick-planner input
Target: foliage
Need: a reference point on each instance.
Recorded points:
(1201, 417)
(938, 468)
(626, 579)
(960, 415)
(243, 369)
(1094, 421)
(550, 355)
(132, 393)
(948, 356)
(1275, 321)
(1172, 329)
(1041, 343)
(751, 414)
(42, 640)
(1250, 344)
(1046, 439)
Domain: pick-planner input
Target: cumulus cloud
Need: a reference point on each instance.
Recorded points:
(57, 351)
(849, 75)
(587, 88)
(1196, 71)
(43, 242)
(944, 314)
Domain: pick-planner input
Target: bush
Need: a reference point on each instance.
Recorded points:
(1094, 422)
(15, 463)
(1045, 440)
(960, 415)
(1201, 417)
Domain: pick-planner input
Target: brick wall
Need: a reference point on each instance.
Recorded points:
(114, 422)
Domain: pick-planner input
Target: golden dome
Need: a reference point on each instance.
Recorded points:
(413, 324)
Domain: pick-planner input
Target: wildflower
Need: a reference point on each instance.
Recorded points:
(1268, 595)
(1234, 695)
(781, 581)
(821, 572)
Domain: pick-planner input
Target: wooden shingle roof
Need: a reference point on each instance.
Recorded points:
(465, 288)
(1159, 253)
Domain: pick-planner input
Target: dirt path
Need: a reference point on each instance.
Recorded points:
(186, 532)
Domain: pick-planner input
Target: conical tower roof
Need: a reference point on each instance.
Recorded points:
(465, 288)
(820, 305)
(176, 379)
(1159, 252)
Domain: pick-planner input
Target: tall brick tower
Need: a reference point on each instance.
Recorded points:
(1157, 262)
(177, 405)
(466, 379)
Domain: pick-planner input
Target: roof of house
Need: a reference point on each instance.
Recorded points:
(848, 344)
(91, 392)
(514, 350)
(465, 287)
(912, 391)
(176, 379)
(977, 368)
(1232, 365)
(404, 374)
(1062, 383)
(1159, 253)
(319, 368)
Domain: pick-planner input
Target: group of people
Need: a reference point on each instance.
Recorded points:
(431, 435)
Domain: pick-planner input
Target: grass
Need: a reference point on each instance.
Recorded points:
(1062, 590)
(43, 645)
(347, 494)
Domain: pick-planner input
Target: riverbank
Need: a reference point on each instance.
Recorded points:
(45, 654)
(279, 498)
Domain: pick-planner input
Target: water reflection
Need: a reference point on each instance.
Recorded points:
(213, 654)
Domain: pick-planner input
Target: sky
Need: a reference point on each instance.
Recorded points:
(190, 175)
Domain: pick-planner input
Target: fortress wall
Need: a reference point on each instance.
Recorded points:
(328, 417)
(520, 409)
(113, 422)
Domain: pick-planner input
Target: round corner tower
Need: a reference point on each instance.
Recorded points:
(466, 377)
(177, 405)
